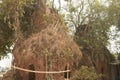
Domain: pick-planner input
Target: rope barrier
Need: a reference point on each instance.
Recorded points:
(43, 72)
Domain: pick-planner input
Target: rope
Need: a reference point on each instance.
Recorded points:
(43, 72)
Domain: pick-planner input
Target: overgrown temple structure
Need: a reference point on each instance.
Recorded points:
(46, 48)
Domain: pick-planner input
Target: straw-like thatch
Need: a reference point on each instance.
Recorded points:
(47, 50)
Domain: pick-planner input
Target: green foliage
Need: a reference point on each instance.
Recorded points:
(8, 10)
(87, 73)
(6, 35)
(114, 12)
(14, 8)
(47, 52)
(26, 21)
(91, 22)
(95, 14)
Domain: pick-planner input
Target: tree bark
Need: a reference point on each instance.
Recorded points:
(17, 27)
(41, 6)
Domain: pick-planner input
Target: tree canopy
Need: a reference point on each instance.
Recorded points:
(11, 12)
(91, 18)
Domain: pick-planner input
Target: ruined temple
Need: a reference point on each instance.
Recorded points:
(115, 69)
(99, 61)
(48, 48)
(102, 64)
(94, 53)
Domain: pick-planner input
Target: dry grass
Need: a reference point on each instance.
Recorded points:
(48, 48)
(51, 44)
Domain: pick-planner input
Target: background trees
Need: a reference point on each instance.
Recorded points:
(97, 17)
(14, 21)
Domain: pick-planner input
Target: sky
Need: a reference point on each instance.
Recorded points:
(114, 40)
(6, 62)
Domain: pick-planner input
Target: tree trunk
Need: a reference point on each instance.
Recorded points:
(41, 6)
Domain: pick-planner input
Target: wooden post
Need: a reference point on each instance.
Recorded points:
(67, 72)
